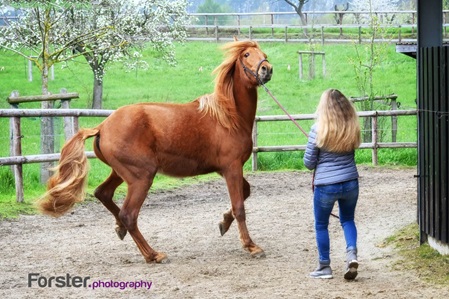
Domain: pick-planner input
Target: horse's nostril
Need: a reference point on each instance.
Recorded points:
(264, 68)
(271, 71)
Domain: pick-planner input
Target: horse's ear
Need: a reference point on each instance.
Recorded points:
(235, 38)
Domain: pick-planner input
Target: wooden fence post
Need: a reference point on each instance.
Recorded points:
(374, 138)
(394, 119)
(324, 64)
(254, 153)
(312, 66)
(14, 93)
(311, 56)
(16, 149)
(322, 35)
(47, 123)
(238, 24)
(360, 34)
(386, 100)
(69, 128)
(300, 66)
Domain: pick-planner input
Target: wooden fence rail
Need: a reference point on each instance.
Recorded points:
(18, 159)
(323, 34)
(47, 133)
(223, 26)
(374, 144)
(295, 33)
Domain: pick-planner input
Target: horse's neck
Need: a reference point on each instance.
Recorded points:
(246, 104)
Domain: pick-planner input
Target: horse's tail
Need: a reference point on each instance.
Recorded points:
(66, 186)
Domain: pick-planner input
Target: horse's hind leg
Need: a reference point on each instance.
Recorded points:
(228, 217)
(137, 192)
(104, 193)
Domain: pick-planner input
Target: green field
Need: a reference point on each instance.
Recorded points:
(396, 73)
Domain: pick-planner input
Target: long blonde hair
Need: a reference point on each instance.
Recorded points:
(338, 127)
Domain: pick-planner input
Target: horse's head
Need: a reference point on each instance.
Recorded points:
(244, 69)
(249, 58)
(255, 64)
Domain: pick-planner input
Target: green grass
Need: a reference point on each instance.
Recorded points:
(423, 259)
(184, 82)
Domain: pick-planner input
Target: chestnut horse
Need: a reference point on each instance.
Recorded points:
(209, 134)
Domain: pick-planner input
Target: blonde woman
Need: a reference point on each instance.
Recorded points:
(330, 152)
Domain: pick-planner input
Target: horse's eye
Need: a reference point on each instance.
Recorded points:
(246, 54)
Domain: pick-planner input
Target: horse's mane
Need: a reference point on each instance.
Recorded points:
(221, 103)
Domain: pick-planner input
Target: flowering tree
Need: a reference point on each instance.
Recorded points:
(378, 5)
(130, 26)
(36, 34)
(374, 6)
(100, 30)
(47, 32)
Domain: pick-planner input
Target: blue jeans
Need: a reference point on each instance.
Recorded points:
(324, 198)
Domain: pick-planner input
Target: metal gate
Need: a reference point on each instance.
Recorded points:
(433, 143)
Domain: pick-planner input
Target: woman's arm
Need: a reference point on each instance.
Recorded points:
(312, 151)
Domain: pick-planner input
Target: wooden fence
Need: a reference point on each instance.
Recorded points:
(320, 26)
(17, 159)
(295, 33)
(47, 133)
(374, 145)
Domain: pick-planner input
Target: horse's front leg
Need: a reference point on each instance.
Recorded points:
(234, 181)
(228, 216)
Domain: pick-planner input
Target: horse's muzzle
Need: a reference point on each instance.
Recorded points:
(265, 73)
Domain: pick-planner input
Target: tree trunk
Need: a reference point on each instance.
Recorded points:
(47, 131)
(97, 96)
(302, 16)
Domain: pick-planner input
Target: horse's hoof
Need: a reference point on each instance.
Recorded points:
(258, 254)
(164, 261)
(161, 258)
(121, 232)
(222, 228)
(158, 258)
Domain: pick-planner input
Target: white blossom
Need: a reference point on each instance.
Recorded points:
(101, 30)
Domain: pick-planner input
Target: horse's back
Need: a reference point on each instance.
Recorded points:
(177, 139)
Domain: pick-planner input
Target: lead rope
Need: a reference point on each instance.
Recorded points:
(283, 109)
(299, 127)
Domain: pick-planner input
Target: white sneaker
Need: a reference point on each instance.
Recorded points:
(324, 272)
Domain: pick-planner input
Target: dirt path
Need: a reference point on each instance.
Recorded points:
(183, 223)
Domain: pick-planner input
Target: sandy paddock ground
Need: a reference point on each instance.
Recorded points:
(183, 223)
